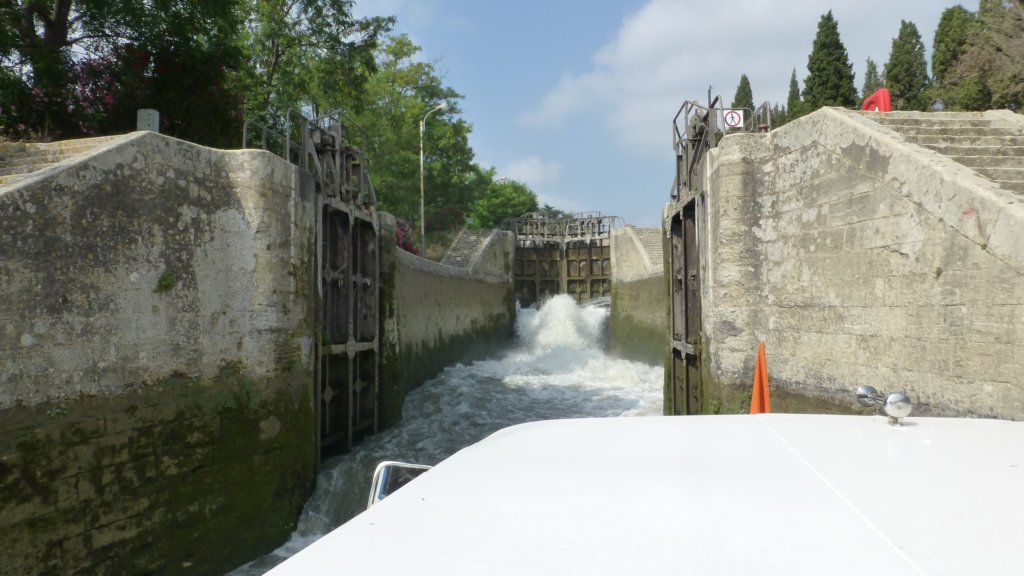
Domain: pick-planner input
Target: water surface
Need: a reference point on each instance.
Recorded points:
(556, 370)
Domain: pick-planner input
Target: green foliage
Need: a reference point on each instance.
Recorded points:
(165, 283)
(794, 103)
(950, 40)
(396, 100)
(549, 211)
(744, 97)
(872, 79)
(504, 199)
(779, 115)
(307, 54)
(136, 51)
(906, 72)
(830, 78)
(990, 71)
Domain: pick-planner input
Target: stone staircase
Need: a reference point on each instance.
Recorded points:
(650, 239)
(21, 159)
(465, 248)
(990, 143)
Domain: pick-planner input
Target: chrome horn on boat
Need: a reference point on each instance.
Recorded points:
(897, 405)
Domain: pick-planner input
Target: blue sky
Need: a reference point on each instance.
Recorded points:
(576, 97)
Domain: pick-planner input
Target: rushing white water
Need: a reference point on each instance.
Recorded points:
(558, 370)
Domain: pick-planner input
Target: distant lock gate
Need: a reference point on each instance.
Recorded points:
(562, 256)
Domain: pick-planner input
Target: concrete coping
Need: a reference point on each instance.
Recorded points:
(419, 263)
(976, 207)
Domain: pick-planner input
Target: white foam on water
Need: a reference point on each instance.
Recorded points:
(556, 370)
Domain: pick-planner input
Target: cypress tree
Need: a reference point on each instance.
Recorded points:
(950, 39)
(990, 71)
(872, 80)
(779, 116)
(744, 97)
(794, 105)
(906, 72)
(830, 78)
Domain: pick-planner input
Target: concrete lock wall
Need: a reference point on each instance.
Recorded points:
(638, 323)
(860, 258)
(436, 315)
(156, 329)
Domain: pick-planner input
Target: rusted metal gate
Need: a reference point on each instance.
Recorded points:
(347, 388)
(685, 303)
(348, 375)
(694, 130)
(561, 256)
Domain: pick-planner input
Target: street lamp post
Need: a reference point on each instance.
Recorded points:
(423, 228)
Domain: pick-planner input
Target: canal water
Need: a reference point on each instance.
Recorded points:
(558, 369)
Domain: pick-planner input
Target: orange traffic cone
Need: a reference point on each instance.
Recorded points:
(761, 399)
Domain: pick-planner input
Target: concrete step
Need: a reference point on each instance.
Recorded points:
(1016, 186)
(991, 151)
(990, 161)
(1002, 141)
(948, 122)
(924, 126)
(33, 159)
(39, 151)
(949, 131)
(7, 148)
(1002, 174)
(465, 247)
(8, 178)
(21, 158)
(24, 168)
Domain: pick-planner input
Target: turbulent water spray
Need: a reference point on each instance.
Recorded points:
(557, 370)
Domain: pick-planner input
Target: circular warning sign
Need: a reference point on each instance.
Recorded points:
(733, 118)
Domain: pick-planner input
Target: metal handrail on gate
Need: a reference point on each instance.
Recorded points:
(763, 117)
(693, 140)
(264, 132)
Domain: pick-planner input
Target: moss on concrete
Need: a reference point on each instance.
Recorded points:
(721, 397)
(480, 341)
(391, 371)
(182, 476)
(638, 322)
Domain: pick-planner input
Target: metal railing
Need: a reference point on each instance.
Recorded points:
(266, 134)
(581, 226)
(691, 142)
(320, 146)
(763, 117)
(699, 131)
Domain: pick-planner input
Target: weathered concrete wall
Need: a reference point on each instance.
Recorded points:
(638, 323)
(434, 315)
(155, 367)
(860, 258)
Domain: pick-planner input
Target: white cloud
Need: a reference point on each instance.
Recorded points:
(673, 50)
(533, 171)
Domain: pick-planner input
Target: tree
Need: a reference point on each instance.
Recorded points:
(504, 199)
(950, 40)
(830, 75)
(549, 211)
(872, 80)
(307, 54)
(990, 71)
(44, 43)
(396, 99)
(906, 72)
(794, 104)
(744, 97)
(778, 115)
